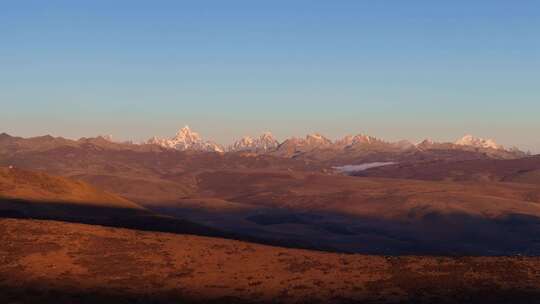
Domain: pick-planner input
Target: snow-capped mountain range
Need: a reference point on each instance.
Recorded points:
(186, 139)
(469, 140)
(263, 143)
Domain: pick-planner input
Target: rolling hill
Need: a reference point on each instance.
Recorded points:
(466, 203)
(524, 170)
(28, 194)
(54, 262)
(37, 186)
(391, 216)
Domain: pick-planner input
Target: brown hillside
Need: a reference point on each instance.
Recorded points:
(36, 186)
(523, 170)
(373, 197)
(28, 194)
(52, 262)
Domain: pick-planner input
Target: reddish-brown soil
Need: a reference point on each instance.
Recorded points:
(523, 170)
(37, 186)
(55, 262)
(370, 197)
(29, 194)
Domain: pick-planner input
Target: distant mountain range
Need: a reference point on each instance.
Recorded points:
(186, 139)
(427, 198)
(311, 148)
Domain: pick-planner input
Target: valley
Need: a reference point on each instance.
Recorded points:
(120, 222)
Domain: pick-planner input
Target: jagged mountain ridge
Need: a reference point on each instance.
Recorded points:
(469, 140)
(186, 139)
(265, 142)
(313, 146)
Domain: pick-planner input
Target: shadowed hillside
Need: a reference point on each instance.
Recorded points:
(52, 262)
(465, 207)
(27, 194)
(387, 215)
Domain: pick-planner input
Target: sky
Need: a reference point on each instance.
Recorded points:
(391, 69)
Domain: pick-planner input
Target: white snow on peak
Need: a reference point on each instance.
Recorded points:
(363, 139)
(317, 139)
(108, 138)
(315, 136)
(350, 140)
(186, 139)
(186, 135)
(425, 142)
(265, 142)
(345, 141)
(469, 140)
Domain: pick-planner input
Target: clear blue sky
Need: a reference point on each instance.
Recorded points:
(392, 69)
